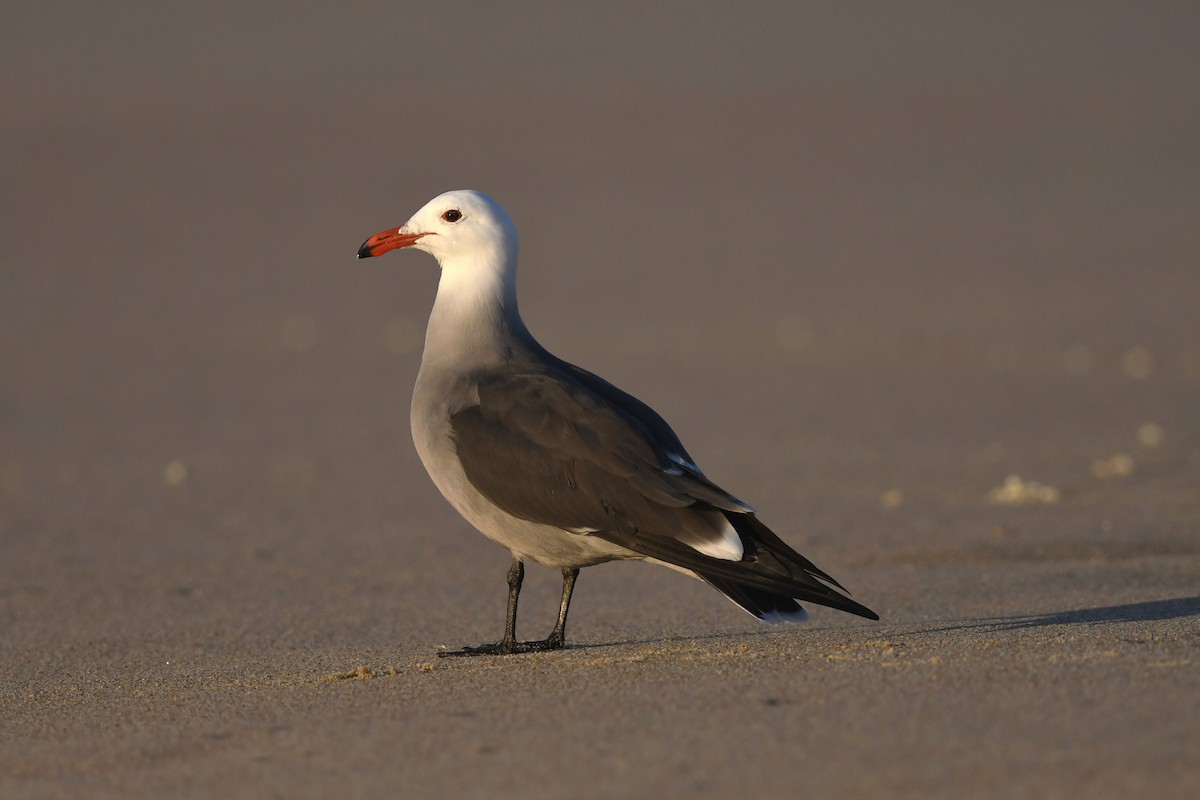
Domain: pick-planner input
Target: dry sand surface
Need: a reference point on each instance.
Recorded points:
(869, 261)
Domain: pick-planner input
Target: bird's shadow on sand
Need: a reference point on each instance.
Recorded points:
(1149, 611)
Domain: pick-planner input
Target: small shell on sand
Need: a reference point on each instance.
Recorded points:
(1150, 434)
(1137, 363)
(1018, 492)
(175, 473)
(1118, 466)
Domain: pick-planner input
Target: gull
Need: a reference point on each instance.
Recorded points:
(556, 464)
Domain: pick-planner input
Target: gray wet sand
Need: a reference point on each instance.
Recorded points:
(869, 263)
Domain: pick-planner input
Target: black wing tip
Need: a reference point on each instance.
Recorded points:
(841, 603)
(863, 611)
(778, 604)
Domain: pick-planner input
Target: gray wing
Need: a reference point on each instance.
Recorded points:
(546, 448)
(550, 448)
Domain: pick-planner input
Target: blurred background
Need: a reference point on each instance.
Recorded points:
(868, 258)
(919, 281)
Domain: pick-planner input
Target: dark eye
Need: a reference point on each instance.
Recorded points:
(453, 215)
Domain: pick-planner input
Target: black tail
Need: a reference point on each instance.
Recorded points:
(763, 547)
(770, 581)
(767, 606)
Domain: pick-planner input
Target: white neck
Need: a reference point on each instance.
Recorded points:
(475, 319)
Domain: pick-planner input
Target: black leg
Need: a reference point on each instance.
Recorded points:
(516, 576)
(509, 644)
(558, 637)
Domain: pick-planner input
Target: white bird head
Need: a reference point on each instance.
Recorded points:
(463, 226)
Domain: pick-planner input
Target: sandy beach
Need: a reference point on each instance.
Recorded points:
(920, 283)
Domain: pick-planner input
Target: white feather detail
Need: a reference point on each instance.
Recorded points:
(728, 547)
